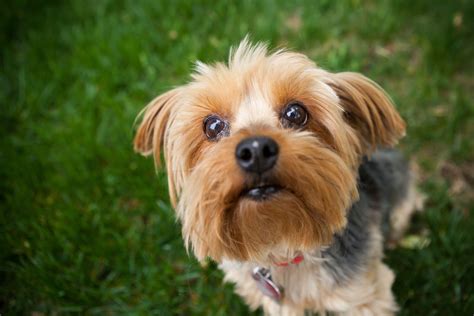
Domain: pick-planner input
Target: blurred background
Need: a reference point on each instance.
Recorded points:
(85, 223)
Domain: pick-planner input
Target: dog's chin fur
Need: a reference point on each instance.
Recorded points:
(316, 173)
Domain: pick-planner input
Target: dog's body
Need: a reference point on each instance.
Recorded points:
(272, 165)
(348, 275)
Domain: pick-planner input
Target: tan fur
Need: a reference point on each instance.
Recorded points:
(317, 167)
(368, 109)
(241, 228)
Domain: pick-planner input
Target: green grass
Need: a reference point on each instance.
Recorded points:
(85, 224)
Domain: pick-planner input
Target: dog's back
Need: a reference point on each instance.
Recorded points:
(387, 199)
(395, 181)
(386, 178)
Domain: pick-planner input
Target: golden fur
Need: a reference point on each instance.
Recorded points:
(317, 166)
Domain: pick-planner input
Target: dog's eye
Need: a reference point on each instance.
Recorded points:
(294, 115)
(215, 127)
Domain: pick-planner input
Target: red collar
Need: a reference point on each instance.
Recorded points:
(296, 260)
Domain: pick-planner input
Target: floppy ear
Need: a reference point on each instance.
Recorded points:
(368, 109)
(151, 132)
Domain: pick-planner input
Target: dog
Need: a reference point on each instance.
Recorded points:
(284, 174)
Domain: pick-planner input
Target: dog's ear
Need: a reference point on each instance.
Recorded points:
(156, 119)
(368, 109)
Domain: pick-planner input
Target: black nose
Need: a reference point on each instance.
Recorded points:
(257, 154)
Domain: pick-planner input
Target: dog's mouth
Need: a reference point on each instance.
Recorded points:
(261, 192)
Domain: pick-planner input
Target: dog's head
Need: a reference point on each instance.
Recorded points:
(262, 153)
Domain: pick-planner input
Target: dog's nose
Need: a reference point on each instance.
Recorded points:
(257, 154)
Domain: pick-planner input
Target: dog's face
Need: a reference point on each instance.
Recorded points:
(262, 153)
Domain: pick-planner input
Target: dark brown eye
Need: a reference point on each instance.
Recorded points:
(215, 127)
(294, 115)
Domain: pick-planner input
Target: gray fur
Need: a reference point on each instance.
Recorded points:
(383, 183)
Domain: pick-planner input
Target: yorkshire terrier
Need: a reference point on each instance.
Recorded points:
(281, 172)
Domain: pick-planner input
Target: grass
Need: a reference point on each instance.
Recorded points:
(85, 224)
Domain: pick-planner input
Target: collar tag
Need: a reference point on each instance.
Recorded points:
(265, 283)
